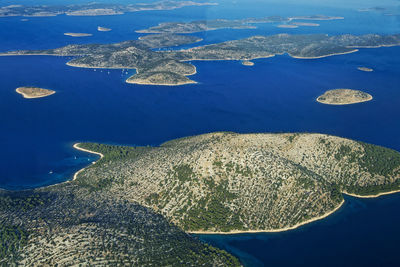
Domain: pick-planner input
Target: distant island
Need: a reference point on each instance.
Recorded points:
(249, 23)
(171, 65)
(92, 9)
(307, 24)
(343, 97)
(77, 34)
(34, 92)
(103, 29)
(287, 26)
(365, 69)
(136, 202)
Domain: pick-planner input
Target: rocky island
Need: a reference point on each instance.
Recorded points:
(103, 29)
(247, 63)
(343, 97)
(134, 203)
(34, 92)
(77, 34)
(143, 56)
(287, 26)
(365, 69)
(248, 23)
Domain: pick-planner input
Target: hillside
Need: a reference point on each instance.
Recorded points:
(255, 182)
(67, 225)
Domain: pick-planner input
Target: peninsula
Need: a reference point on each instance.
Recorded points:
(343, 97)
(77, 34)
(93, 9)
(134, 203)
(143, 56)
(34, 92)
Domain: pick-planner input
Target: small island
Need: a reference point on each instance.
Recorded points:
(34, 92)
(247, 63)
(306, 24)
(287, 26)
(343, 97)
(77, 34)
(365, 69)
(165, 78)
(103, 29)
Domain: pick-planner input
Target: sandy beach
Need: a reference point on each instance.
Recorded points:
(76, 146)
(329, 55)
(372, 196)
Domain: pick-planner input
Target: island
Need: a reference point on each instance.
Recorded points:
(316, 17)
(93, 9)
(103, 29)
(247, 63)
(365, 69)
(287, 26)
(77, 34)
(136, 203)
(34, 92)
(248, 23)
(145, 54)
(307, 24)
(343, 97)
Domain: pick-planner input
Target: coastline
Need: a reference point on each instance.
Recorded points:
(343, 104)
(329, 55)
(164, 84)
(372, 196)
(76, 146)
(32, 97)
(272, 230)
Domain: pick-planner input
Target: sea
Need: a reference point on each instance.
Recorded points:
(275, 95)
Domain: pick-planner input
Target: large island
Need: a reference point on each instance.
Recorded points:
(92, 9)
(154, 67)
(134, 203)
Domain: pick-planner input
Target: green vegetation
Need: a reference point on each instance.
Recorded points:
(212, 212)
(111, 152)
(22, 201)
(379, 160)
(183, 173)
(12, 239)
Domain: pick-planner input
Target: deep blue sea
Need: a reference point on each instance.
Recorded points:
(276, 95)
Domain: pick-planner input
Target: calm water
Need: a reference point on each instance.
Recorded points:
(276, 95)
(364, 232)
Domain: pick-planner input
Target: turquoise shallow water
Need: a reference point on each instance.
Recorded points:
(276, 95)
